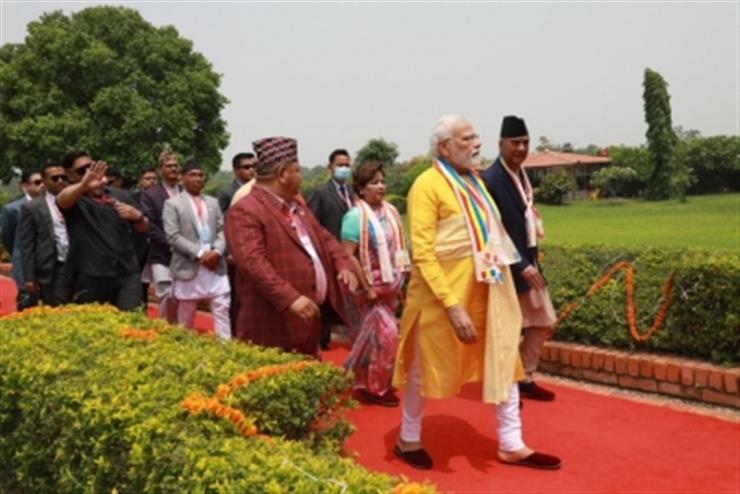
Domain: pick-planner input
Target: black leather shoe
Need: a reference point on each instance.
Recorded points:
(534, 391)
(540, 461)
(417, 458)
(388, 399)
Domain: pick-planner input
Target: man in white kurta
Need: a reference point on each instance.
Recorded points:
(195, 229)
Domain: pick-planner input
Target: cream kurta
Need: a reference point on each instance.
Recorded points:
(443, 275)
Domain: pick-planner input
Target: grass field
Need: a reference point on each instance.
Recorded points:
(711, 222)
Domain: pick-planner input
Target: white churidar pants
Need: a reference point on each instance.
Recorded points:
(412, 410)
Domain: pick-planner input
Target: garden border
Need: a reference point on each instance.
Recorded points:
(653, 373)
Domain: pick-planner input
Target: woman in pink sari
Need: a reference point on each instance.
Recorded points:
(372, 235)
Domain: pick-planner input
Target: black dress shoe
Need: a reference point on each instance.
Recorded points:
(417, 458)
(540, 461)
(535, 392)
(387, 399)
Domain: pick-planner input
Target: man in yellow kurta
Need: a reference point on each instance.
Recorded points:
(462, 320)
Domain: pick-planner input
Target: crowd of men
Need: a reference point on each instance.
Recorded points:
(274, 273)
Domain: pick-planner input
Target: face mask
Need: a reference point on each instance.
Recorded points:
(341, 173)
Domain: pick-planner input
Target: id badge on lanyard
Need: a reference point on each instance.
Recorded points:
(204, 235)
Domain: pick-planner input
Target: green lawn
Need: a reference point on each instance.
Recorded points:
(710, 222)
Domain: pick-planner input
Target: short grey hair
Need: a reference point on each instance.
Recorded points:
(443, 130)
(270, 171)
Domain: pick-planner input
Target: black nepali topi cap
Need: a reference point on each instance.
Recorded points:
(513, 126)
(191, 164)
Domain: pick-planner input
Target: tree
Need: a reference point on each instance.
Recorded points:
(414, 168)
(714, 162)
(616, 181)
(660, 136)
(107, 81)
(554, 188)
(544, 144)
(686, 134)
(378, 150)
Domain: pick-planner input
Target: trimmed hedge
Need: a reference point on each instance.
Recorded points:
(84, 408)
(702, 322)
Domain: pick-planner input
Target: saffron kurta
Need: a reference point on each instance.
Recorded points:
(443, 275)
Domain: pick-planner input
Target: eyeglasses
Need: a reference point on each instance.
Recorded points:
(83, 169)
(57, 178)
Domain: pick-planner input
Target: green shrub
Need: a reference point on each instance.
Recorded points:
(702, 322)
(398, 201)
(617, 181)
(554, 188)
(84, 409)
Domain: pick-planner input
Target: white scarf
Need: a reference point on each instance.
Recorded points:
(532, 219)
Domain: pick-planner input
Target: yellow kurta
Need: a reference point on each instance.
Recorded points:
(443, 275)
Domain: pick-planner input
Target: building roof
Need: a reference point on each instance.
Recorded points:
(547, 159)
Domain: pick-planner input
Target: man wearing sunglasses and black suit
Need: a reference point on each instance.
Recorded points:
(244, 165)
(31, 186)
(44, 240)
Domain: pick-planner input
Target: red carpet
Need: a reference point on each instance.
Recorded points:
(608, 444)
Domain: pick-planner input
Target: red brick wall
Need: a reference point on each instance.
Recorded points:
(684, 378)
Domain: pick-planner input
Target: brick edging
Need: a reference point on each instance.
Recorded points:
(684, 378)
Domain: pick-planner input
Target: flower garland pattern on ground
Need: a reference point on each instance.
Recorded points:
(629, 288)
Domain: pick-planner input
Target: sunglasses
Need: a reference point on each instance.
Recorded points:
(57, 178)
(246, 167)
(37, 182)
(83, 169)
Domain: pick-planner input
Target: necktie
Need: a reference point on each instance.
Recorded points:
(345, 194)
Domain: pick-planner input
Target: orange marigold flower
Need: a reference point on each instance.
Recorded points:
(222, 390)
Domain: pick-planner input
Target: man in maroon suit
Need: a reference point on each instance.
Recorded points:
(289, 266)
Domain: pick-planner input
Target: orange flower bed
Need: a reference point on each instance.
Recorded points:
(629, 285)
(138, 334)
(196, 403)
(46, 310)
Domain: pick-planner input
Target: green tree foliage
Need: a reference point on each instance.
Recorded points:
(378, 150)
(107, 81)
(660, 135)
(714, 163)
(635, 157)
(312, 178)
(554, 188)
(616, 181)
(413, 169)
(546, 145)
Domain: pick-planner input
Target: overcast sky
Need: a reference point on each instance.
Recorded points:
(337, 74)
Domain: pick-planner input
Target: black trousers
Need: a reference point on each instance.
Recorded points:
(329, 318)
(124, 292)
(234, 307)
(58, 291)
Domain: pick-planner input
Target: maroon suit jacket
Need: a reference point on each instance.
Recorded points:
(274, 270)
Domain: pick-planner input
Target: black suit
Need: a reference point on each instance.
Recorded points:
(226, 194)
(39, 253)
(152, 205)
(328, 207)
(510, 204)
